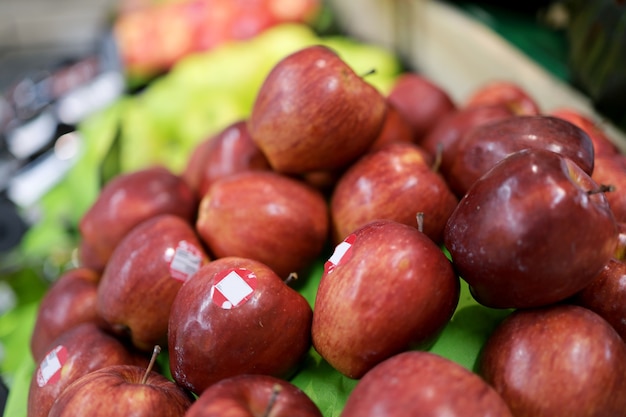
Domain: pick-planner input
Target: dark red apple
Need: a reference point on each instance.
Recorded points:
(509, 93)
(253, 395)
(122, 390)
(610, 170)
(77, 352)
(127, 200)
(483, 146)
(314, 113)
(69, 301)
(557, 361)
(265, 216)
(395, 182)
(387, 288)
(229, 151)
(395, 129)
(143, 276)
(441, 141)
(423, 384)
(236, 316)
(606, 295)
(602, 143)
(420, 101)
(533, 231)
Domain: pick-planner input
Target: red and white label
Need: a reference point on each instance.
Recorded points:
(233, 287)
(341, 254)
(185, 261)
(49, 371)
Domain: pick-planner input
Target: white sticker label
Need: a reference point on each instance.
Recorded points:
(233, 287)
(340, 255)
(49, 370)
(186, 261)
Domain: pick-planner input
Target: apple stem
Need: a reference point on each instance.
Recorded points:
(602, 188)
(420, 221)
(155, 354)
(290, 278)
(276, 389)
(438, 157)
(370, 72)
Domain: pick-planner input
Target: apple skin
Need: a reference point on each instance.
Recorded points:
(447, 132)
(518, 236)
(420, 101)
(229, 151)
(314, 113)
(265, 216)
(395, 182)
(395, 129)
(559, 360)
(423, 384)
(611, 170)
(70, 300)
(141, 279)
(85, 348)
(606, 295)
(602, 143)
(484, 146)
(392, 291)
(127, 200)
(118, 390)
(269, 333)
(620, 247)
(504, 92)
(250, 395)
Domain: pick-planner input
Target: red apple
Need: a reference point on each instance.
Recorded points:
(265, 216)
(483, 146)
(313, 112)
(395, 129)
(441, 141)
(423, 384)
(143, 276)
(420, 101)
(534, 230)
(620, 247)
(610, 170)
(602, 144)
(606, 295)
(386, 288)
(253, 395)
(127, 200)
(557, 361)
(69, 301)
(122, 390)
(229, 151)
(77, 352)
(236, 316)
(504, 92)
(395, 182)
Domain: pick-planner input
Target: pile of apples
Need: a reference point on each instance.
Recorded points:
(404, 194)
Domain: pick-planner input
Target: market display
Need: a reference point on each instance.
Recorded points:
(297, 225)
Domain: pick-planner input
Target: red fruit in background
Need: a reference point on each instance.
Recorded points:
(228, 152)
(265, 216)
(395, 129)
(534, 230)
(314, 113)
(71, 300)
(236, 316)
(606, 295)
(485, 145)
(395, 182)
(423, 384)
(557, 361)
(126, 201)
(387, 288)
(509, 93)
(420, 101)
(143, 276)
(77, 352)
(610, 170)
(602, 144)
(444, 137)
(253, 395)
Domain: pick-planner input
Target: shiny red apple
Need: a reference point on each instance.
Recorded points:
(506, 92)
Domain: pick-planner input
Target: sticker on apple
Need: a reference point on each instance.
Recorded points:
(341, 254)
(233, 287)
(49, 371)
(185, 261)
